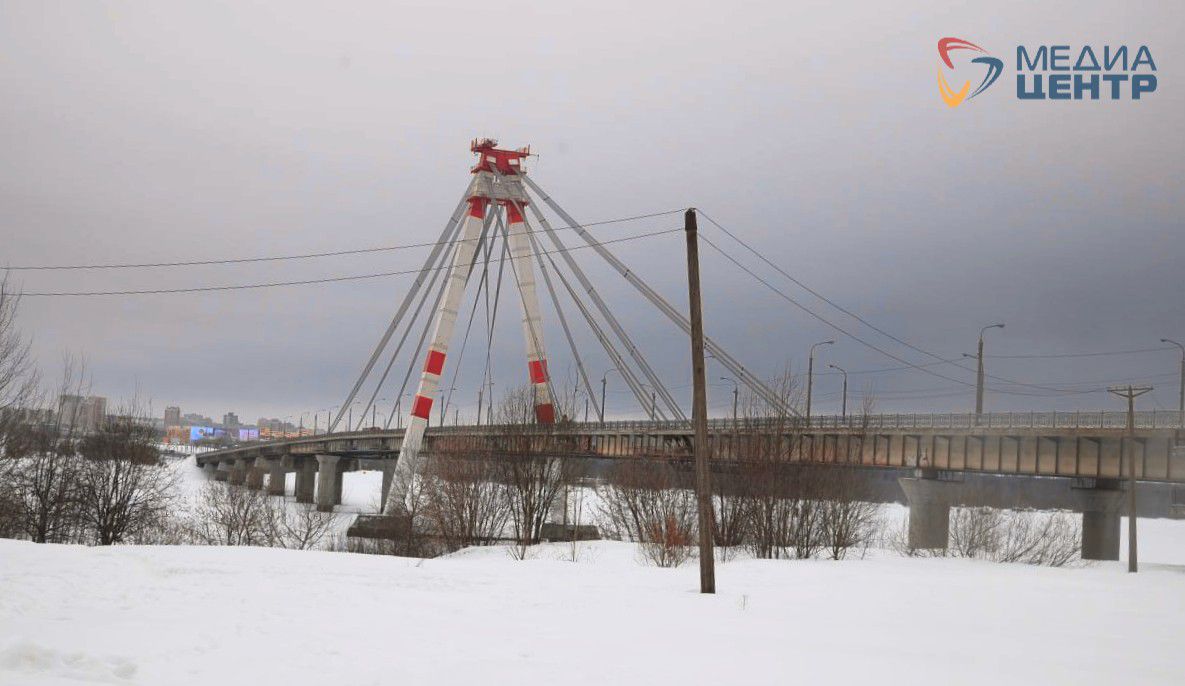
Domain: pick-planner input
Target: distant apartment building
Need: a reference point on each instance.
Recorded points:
(82, 413)
(230, 420)
(195, 419)
(172, 416)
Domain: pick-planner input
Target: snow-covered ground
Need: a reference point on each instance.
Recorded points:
(203, 615)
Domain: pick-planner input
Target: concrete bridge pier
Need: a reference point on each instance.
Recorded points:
(211, 471)
(238, 472)
(929, 500)
(306, 479)
(388, 476)
(221, 471)
(255, 472)
(329, 482)
(277, 474)
(1101, 509)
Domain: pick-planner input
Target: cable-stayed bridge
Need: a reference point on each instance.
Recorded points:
(499, 239)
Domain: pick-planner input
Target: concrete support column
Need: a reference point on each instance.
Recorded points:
(221, 472)
(1101, 509)
(255, 472)
(929, 511)
(306, 479)
(328, 482)
(277, 474)
(340, 481)
(238, 472)
(210, 470)
(388, 475)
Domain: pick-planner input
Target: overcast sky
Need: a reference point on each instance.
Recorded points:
(813, 130)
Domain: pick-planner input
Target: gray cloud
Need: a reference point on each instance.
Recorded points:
(136, 132)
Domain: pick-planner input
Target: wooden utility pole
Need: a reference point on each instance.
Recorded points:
(699, 413)
(1131, 393)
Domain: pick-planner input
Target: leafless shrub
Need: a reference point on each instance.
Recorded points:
(730, 520)
(300, 526)
(464, 503)
(975, 531)
(1050, 539)
(846, 518)
(1029, 537)
(643, 502)
(231, 515)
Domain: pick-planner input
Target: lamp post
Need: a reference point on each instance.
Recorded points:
(603, 378)
(844, 411)
(1181, 388)
(736, 389)
(979, 372)
(445, 395)
(653, 397)
(810, 377)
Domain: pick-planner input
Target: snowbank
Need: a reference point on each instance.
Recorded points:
(182, 615)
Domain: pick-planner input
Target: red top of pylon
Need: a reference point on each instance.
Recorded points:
(505, 161)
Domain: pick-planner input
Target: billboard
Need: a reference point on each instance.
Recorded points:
(248, 434)
(197, 433)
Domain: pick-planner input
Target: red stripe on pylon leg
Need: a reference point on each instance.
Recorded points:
(545, 414)
(435, 362)
(477, 206)
(421, 407)
(538, 370)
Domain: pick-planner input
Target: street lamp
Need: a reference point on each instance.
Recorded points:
(736, 389)
(979, 372)
(810, 377)
(603, 377)
(844, 411)
(1181, 388)
(445, 396)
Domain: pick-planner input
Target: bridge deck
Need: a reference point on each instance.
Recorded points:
(1089, 445)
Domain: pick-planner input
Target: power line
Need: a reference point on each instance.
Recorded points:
(305, 256)
(867, 344)
(1130, 351)
(864, 321)
(333, 279)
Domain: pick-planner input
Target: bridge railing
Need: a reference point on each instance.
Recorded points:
(1150, 419)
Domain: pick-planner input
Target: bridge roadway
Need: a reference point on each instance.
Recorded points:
(1087, 450)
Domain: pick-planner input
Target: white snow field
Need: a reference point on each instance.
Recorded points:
(212, 616)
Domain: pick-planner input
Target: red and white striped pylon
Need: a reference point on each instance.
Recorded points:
(523, 264)
(486, 190)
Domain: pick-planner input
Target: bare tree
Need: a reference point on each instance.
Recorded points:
(780, 488)
(18, 377)
(122, 488)
(464, 503)
(532, 466)
(42, 473)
